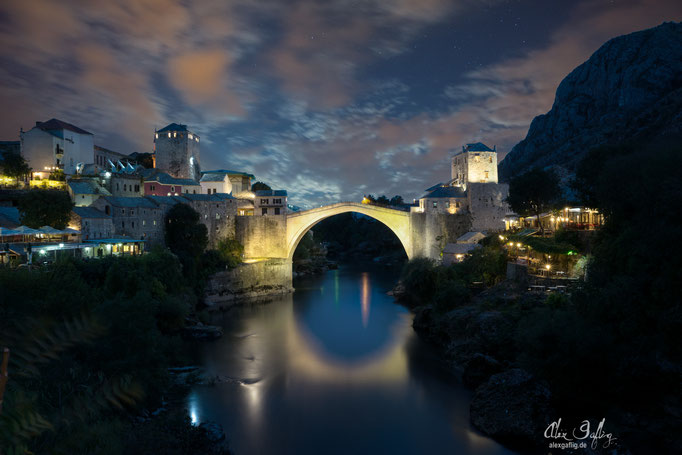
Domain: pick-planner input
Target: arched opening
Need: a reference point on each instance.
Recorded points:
(345, 237)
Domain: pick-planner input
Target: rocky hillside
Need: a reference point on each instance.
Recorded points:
(630, 90)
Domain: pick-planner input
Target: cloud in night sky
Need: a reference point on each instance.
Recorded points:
(329, 100)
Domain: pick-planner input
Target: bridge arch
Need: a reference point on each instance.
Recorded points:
(299, 223)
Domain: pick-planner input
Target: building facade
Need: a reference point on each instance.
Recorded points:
(177, 152)
(270, 202)
(56, 145)
(92, 223)
(235, 183)
(475, 163)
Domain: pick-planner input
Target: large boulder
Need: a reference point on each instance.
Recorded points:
(479, 369)
(512, 407)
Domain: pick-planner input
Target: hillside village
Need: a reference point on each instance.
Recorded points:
(119, 204)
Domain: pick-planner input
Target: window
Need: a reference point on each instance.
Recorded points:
(144, 223)
(276, 210)
(83, 196)
(194, 191)
(125, 187)
(214, 190)
(217, 215)
(264, 211)
(264, 202)
(206, 216)
(447, 204)
(172, 189)
(277, 201)
(132, 224)
(117, 187)
(486, 174)
(132, 212)
(457, 205)
(435, 204)
(123, 224)
(137, 188)
(477, 158)
(123, 211)
(491, 159)
(107, 210)
(154, 222)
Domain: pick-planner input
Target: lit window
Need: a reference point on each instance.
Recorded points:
(156, 135)
(486, 174)
(435, 205)
(447, 204)
(217, 216)
(169, 134)
(190, 136)
(175, 134)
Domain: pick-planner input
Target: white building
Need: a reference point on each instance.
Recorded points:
(270, 202)
(225, 181)
(56, 145)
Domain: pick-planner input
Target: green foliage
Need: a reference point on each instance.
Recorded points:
(304, 247)
(449, 286)
(625, 326)
(14, 165)
(231, 251)
(534, 192)
(89, 343)
(185, 234)
(397, 200)
(260, 186)
(39, 208)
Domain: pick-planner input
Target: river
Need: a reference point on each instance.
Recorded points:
(334, 368)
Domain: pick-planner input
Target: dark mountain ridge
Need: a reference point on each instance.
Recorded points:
(628, 91)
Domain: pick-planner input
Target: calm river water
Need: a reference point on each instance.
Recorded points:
(334, 368)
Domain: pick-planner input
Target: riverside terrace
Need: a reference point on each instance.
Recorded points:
(38, 249)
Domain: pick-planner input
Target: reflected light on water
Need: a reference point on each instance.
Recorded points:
(366, 298)
(193, 412)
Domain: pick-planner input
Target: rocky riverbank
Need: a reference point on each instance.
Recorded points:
(477, 343)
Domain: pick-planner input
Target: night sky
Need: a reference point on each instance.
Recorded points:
(328, 99)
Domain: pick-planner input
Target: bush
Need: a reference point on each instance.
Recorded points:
(231, 251)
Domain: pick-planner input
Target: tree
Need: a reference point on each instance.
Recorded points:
(383, 200)
(14, 166)
(397, 200)
(39, 208)
(260, 186)
(231, 251)
(534, 192)
(185, 235)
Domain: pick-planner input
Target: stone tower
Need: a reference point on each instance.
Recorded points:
(476, 163)
(177, 152)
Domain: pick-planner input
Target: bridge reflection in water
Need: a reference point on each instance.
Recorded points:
(317, 377)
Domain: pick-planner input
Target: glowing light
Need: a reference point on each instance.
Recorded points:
(365, 298)
(548, 266)
(518, 245)
(61, 245)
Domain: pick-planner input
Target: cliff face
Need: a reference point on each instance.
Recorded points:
(630, 90)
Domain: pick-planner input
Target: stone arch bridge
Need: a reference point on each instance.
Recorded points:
(272, 240)
(299, 223)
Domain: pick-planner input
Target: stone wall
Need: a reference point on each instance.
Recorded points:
(262, 236)
(487, 205)
(258, 280)
(432, 231)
